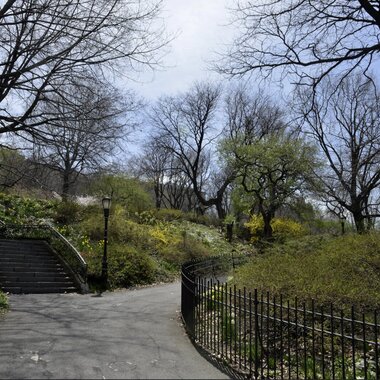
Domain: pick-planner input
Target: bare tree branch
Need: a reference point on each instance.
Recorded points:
(45, 43)
(306, 39)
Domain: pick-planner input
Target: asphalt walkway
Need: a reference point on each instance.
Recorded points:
(129, 334)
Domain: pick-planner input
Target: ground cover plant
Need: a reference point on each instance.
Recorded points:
(19, 209)
(3, 302)
(344, 270)
(149, 246)
(145, 245)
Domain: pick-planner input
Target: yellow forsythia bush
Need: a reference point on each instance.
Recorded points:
(282, 227)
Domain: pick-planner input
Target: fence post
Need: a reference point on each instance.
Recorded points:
(193, 303)
(256, 330)
(188, 300)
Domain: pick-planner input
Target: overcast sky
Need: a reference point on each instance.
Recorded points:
(202, 27)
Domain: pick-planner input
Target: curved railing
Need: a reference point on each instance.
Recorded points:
(213, 270)
(63, 248)
(265, 337)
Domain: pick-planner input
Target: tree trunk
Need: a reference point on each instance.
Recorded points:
(65, 185)
(157, 194)
(343, 224)
(229, 231)
(268, 231)
(220, 209)
(359, 222)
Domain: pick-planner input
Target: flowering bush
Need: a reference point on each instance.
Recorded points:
(282, 228)
(20, 210)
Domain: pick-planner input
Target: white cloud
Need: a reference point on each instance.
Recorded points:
(202, 29)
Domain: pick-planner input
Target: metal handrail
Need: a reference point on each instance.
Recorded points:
(67, 243)
(70, 255)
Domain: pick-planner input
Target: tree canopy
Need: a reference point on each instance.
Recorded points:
(44, 43)
(307, 38)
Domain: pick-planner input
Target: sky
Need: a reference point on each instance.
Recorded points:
(202, 29)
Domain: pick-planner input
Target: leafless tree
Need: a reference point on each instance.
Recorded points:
(84, 133)
(177, 189)
(186, 129)
(171, 186)
(13, 167)
(44, 43)
(344, 120)
(307, 38)
(250, 117)
(151, 165)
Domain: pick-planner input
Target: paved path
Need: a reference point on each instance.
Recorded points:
(133, 334)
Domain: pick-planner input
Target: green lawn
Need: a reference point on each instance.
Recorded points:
(343, 270)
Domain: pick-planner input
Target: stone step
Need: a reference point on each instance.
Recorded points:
(22, 244)
(38, 284)
(28, 269)
(29, 263)
(37, 290)
(31, 257)
(30, 266)
(7, 250)
(4, 250)
(35, 276)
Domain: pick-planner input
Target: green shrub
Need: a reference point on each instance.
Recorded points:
(118, 225)
(128, 192)
(175, 245)
(3, 302)
(68, 212)
(179, 252)
(169, 215)
(206, 220)
(20, 210)
(128, 266)
(343, 270)
(283, 228)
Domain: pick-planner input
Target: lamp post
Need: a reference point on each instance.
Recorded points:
(106, 201)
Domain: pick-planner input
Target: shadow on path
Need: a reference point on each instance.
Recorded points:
(134, 334)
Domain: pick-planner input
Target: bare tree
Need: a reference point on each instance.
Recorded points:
(171, 186)
(85, 133)
(344, 119)
(295, 36)
(250, 117)
(151, 164)
(186, 129)
(177, 189)
(13, 167)
(44, 43)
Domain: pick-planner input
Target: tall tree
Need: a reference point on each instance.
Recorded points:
(44, 43)
(84, 133)
(13, 167)
(270, 171)
(308, 38)
(344, 119)
(251, 117)
(186, 128)
(151, 164)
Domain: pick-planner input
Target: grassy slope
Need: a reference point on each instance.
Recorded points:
(343, 270)
(148, 247)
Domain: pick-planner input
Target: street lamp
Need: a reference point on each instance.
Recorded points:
(106, 201)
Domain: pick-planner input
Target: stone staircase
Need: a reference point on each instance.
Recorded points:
(30, 266)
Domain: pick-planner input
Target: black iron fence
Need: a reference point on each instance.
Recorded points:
(268, 337)
(64, 249)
